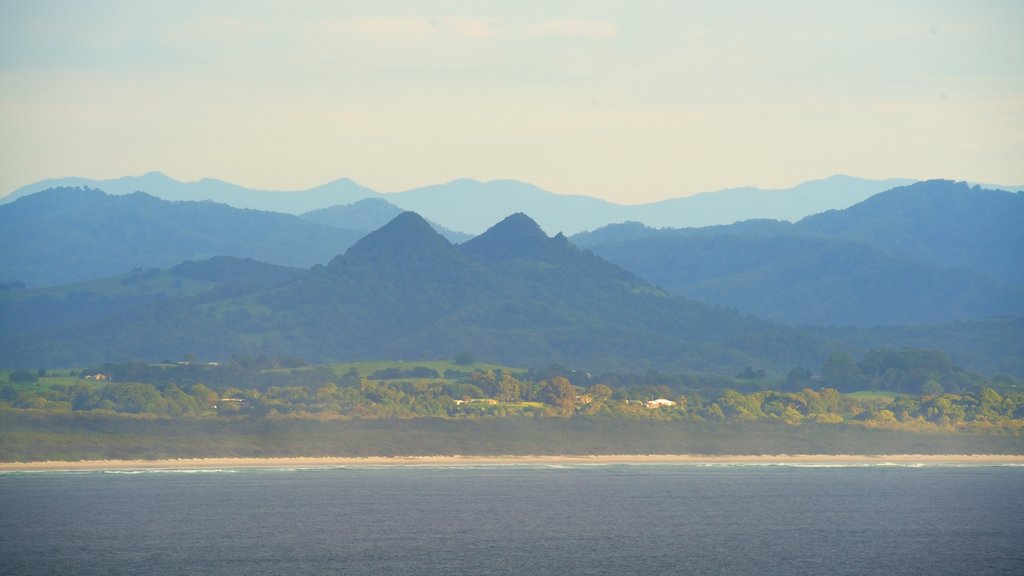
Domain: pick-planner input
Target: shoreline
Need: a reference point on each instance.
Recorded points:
(504, 460)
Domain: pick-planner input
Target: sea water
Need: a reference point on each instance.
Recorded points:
(588, 519)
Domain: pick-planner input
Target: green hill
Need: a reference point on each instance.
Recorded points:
(927, 253)
(367, 215)
(66, 235)
(945, 223)
(513, 296)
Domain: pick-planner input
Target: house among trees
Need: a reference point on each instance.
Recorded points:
(477, 401)
(659, 403)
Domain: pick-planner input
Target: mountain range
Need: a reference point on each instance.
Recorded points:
(369, 214)
(134, 276)
(930, 252)
(512, 294)
(67, 235)
(468, 206)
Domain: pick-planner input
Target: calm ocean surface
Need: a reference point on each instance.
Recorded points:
(604, 519)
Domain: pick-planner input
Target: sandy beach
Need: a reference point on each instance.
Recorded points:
(326, 462)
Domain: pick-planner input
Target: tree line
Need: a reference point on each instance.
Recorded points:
(911, 390)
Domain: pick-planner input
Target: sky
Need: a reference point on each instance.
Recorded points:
(629, 101)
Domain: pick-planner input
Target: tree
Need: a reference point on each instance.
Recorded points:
(8, 393)
(841, 371)
(464, 359)
(559, 392)
(751, 374)
(204, 394)
(134, 398)
(742, 407)
(944, 411)
(22, 377)
(990, 404)
(798, 377)
(932, 388)
(884, 417)
(714, 412)
(509, 388)
(600, 392)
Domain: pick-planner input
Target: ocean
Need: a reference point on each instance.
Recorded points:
(480, 520)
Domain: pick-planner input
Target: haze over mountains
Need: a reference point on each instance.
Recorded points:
(468, 205)
(929, 252)
(160, 278)
(68, 235)
(367, 215)
(511, 294)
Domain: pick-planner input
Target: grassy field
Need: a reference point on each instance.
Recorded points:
(875, 395)
(61, 377)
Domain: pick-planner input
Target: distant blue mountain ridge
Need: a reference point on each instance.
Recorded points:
(469, 206)
(929, 252)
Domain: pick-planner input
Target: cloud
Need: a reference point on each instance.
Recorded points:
(386, 27)
(567, 28)
(214, 31)
(408, 28)
(469, 27)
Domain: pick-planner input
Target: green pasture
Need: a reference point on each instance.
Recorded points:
(875, 395)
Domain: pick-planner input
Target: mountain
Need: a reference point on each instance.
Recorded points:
(368, 215)
(931, 252)
(804, 279)
(342, 191)
(406, 243)
(469, 205)
(513, 295)
(466, 204)
(737, 204)
(515, 237)
(946, 223)
(66, 235)
(73, 314)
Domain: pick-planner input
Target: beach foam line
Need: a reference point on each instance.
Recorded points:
(508, 460)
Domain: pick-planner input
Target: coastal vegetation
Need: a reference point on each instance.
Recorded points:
(260, 406)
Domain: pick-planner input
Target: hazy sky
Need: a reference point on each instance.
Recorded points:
(628, 101)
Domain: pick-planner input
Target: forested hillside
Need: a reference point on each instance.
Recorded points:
(513, 295)
(928, 253)
(66, 235)
(368, 215)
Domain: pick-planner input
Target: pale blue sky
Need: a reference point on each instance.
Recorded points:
(627, 101)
